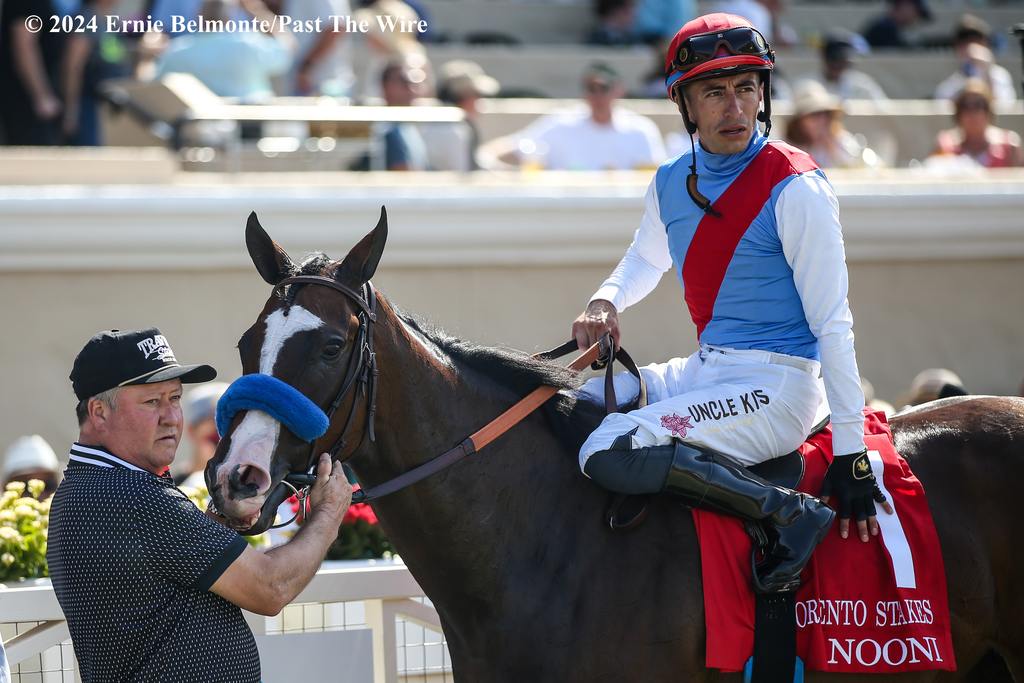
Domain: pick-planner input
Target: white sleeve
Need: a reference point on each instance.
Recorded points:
(807, 214)
(1002, 85)
(645, 261)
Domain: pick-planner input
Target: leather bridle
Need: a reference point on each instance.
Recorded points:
(363, 372)
(361, 375)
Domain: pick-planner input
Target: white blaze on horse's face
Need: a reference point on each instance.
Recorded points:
(255, 440)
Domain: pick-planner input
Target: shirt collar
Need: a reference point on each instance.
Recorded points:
(99, 457)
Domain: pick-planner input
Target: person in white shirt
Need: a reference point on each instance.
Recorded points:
(323, 60)
(600, 136)
(971, 42)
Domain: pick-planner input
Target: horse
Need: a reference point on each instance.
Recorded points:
(528, 581)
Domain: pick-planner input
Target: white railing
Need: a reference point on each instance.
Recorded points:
(376, 599)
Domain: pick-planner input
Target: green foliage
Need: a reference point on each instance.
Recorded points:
(24, 520)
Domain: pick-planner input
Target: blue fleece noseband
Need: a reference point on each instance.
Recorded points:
(281, 401)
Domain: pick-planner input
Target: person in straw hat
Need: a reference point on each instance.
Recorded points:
(817, 128)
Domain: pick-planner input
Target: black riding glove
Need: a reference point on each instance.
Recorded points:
(851, 483)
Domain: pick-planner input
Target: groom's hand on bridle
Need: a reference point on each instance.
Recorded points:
(331, 494)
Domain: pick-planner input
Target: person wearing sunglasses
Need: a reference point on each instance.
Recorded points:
(752, 230)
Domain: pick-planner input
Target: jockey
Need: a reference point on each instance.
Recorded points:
(752, 230)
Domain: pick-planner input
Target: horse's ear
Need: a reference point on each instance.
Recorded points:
(269, 258)
(361, 263)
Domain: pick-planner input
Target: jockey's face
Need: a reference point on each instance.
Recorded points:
(725, 111)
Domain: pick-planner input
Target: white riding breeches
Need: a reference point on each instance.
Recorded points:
(751, 405)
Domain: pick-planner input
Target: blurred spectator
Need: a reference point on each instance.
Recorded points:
(30, 457)
(602, 136)
(817, 128)
(323, 60)
(935, 383)
(838, 75)
(975, 135)
(90, 58)
(398, 146)
(971, 42)
(235, 64)
(461, 83)
(655, 21)
(765, 15)
(614, 23)
(5, 670)
(30, 66)
(165, 10)
(888, 29)
(384, 47)
(199, 408)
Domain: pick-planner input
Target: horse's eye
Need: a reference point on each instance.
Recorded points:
(332, 350)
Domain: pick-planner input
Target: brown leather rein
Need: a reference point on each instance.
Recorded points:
(365, 369)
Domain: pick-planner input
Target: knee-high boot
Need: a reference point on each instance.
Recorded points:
(795, 521)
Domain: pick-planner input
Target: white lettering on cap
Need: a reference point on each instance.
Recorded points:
(158, 345)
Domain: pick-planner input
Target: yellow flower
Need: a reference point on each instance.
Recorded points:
(25, 511)
(16, 486)
(7, 516)
(9, 534)
(7, 559)
(36, 486)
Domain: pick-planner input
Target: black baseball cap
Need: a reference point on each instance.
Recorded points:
(116, 358)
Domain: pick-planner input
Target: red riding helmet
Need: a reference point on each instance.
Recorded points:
(715, 45)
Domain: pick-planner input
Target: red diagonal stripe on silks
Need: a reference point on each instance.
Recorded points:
(715, 239)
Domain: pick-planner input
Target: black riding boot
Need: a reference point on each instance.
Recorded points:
(796, 522)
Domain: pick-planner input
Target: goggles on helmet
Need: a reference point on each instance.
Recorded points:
(741, 41)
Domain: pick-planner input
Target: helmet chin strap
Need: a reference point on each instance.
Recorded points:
(764, 116)
(702, 202)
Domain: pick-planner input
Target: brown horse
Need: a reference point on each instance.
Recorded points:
(530, 585)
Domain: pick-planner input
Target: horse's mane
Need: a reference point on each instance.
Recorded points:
(512, 368)
(572, 418)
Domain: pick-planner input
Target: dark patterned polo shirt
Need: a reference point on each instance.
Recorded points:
(132, 561)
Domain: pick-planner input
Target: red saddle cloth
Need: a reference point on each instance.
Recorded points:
(877, 607)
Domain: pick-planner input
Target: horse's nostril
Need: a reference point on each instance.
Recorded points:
(247, 481)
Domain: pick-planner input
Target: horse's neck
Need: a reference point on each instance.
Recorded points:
(456, 528)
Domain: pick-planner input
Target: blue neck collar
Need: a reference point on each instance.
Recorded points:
(729, 164)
